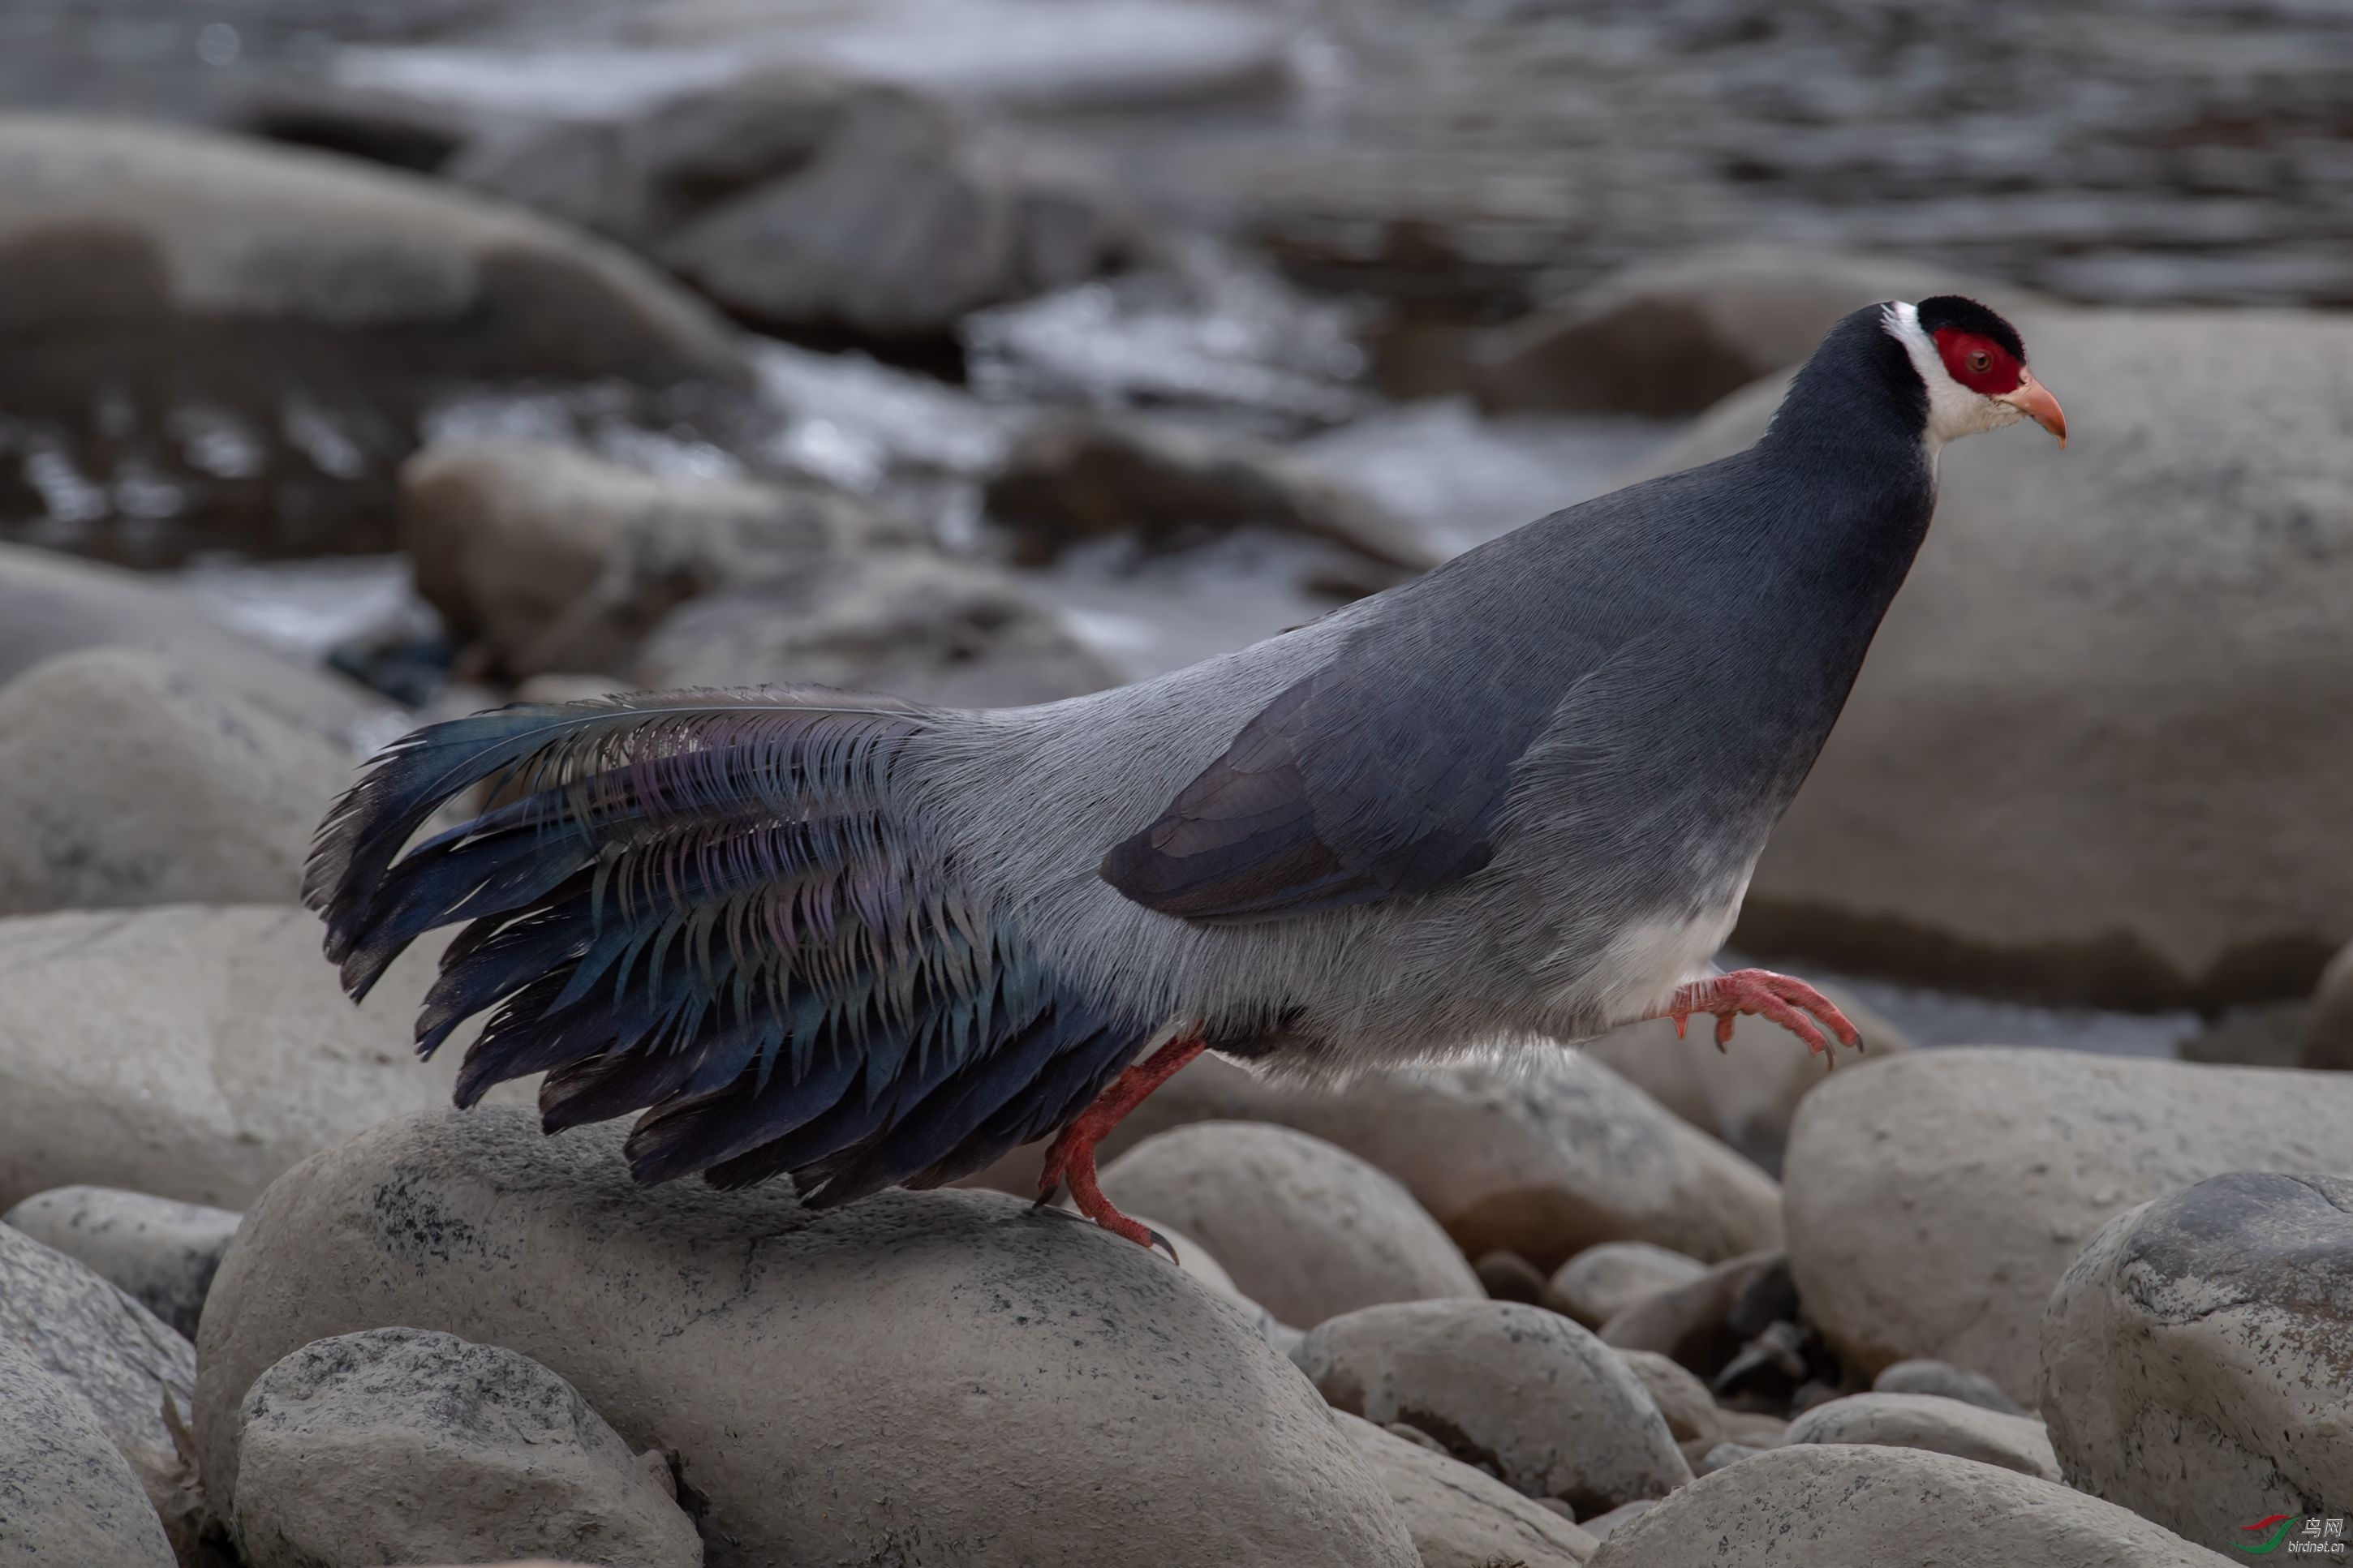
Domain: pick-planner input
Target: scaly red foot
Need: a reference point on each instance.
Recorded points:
(1761, 992)
(1070, 1157)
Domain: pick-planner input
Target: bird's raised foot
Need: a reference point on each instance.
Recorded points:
(1761, 992)
(1070, 1157)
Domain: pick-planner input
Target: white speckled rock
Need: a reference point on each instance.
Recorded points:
(68, 1500)
(2196, 1357)
(1837, 1506)
(126, 782)
(248, 1055)
(1602, 1281)
(1552, 1408)
(1935, 1201)
(395, 1445)
(1462, 1518)
(1545, 1154)
(160, 1252)
(819, 1377)
(1306, 1230)
(1925, 1421)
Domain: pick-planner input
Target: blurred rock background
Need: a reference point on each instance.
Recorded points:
(368, 360)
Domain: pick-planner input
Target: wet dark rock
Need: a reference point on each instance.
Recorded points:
(159, 1251)
(809, 1447)
(1081, 477)
(2196, 1355)
(401, 1446)
(541, 559)
(904, 622)
(809, 202)
(213, 343)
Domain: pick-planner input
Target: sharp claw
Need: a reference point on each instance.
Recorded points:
(1166, 1245)
(1682, 1021)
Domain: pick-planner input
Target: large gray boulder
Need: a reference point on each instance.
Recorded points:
(1461, 1517)
(803, 199)
(242, 339)
(1934, 1201)
(2197, 1356)
(1306, 1230)
(1838, 1506)
(125, 783)
(67, 1497)
(544, 559)
(1672, 334)
(905, 622)
(194, 1052)
(398, 1446)
(1543, 1153)
(160, 1252)
(937, 1376)
(52, 604)
(1985, 810)
(1550, 1407)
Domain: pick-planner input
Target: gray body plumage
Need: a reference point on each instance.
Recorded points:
(1520, 796)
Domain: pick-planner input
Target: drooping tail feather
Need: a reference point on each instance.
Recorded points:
(721, 909)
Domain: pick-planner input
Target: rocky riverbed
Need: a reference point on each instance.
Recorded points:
(368, 360)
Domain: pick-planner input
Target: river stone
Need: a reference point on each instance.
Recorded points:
(818, 1376)
(2195, 1356)
(1672, 334)
(1928, 1421)
(1934, 1201)
(1464, 1371)
(399, 1446)
(1543, 1153)
(67, 1497)
(1747, 1095)
(955, 633)
(160, 1252)
(543, 559)
(1922, 1375)
(2186, 562)
(194, 1052)
(1462, 1518)
(123, 781)
(1602, 1281)
(244, 339)
(1690, 1413)
(51, 604)
(1829, 1505)
(1703, 1322)
(2326, 1039)
(1307, 1230)
(806, 200)
(1078, 476)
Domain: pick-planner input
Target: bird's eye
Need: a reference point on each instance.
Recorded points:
(1979, 360)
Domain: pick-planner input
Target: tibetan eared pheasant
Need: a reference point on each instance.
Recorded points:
(863, 943)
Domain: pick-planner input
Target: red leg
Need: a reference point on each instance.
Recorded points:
(1071, 1156)
(1784, 1000)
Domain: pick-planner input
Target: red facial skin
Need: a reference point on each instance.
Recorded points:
(1964, 353)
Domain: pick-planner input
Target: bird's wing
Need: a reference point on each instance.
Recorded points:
(1383, 773)
(705, 906)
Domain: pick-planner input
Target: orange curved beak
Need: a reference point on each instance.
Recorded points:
(2034, 400)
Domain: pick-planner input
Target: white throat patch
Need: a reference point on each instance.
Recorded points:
(1953, 411)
